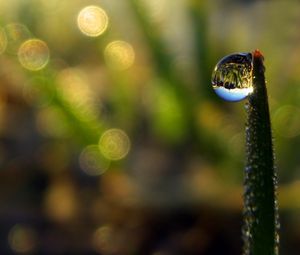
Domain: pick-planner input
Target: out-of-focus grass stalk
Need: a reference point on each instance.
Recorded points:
(162, 59)
(198, 11)
(188, 99)
(86, 132)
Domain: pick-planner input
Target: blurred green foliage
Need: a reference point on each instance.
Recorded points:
(146, 76)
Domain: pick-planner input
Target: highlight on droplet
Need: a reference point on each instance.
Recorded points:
(3, 40)
(119, 55)
(92, 162)
(22, 239)
(34, 54)
(92, 21)
(114, 144)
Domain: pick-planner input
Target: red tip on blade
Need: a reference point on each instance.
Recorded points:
(257, 54)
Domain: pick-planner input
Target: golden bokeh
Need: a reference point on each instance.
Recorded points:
(92, 21)
(33, 54)
(22, 239)
(92, 161)
(119, 55)
(60, 201)
(103, 240)
(3, 40)
(74, 88)
(114, 144)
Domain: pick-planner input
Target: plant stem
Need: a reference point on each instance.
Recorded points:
(260, 213)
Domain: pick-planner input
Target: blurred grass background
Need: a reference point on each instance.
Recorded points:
(112, 140)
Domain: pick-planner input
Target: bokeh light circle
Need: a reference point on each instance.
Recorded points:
(92, 162)
(22, 239)
(16, 34)
(92, 21)
(103, 239)
(119, 55)
(114, 144)
(33, 54)
(60, 202)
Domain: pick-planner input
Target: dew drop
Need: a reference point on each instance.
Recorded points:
(232, 77)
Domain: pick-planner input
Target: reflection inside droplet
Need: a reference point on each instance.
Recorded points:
(232, 77)
(114, 144)
(119, 55)
(92, 21)
(92, 161)
(233, 94)
(33, 54)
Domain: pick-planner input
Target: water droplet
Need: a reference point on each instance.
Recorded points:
(232, 77)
